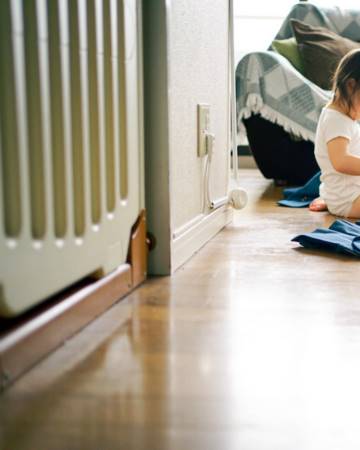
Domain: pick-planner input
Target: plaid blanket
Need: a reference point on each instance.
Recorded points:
(267, 84)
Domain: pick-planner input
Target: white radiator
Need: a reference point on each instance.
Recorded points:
(70, 142)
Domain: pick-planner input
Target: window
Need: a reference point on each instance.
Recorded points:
(256, 22)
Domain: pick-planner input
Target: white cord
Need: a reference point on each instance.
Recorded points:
(237, 197)
(206, 183)
(210, 138)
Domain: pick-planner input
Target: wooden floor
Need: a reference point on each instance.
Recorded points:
(251, 345)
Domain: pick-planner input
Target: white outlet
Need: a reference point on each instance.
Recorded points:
(203, 127)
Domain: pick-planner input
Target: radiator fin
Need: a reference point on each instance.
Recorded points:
(94, 119)
(57, 122)
(122, 101)
(34, 114)
(109, 111)
(76, 120)
(8, 129)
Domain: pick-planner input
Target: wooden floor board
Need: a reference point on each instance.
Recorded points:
(253, 344)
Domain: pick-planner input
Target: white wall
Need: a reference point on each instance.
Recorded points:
(189, 53)
(198, 58)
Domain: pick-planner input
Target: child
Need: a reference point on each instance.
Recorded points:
(337, 143)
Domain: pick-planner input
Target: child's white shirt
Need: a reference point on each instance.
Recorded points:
(337, 189)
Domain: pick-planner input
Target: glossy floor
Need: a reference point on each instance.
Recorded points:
(252, 345)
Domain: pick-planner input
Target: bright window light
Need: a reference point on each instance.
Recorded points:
(351, 4)
(281, 7)
(256, 22)
(261, 8)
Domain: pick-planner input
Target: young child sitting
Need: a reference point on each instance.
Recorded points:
(337, 143)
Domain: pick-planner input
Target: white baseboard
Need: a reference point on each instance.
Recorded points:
(189, 238)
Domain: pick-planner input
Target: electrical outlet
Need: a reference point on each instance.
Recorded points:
(203, 128)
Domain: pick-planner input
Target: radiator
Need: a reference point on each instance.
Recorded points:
(70, 142)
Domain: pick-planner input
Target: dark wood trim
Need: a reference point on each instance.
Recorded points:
(138, 250)
(24, 341)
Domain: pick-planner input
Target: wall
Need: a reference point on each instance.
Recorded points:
(156, 142)
(186, 63)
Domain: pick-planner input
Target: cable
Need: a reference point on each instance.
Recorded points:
(210, 138)
(206, 183)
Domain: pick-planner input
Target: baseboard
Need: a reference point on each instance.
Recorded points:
(24, 341)
(189, 238)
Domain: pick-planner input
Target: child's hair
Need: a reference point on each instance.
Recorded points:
(348, 68)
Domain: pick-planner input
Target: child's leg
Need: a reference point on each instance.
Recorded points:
(355, 209)
(318, 205)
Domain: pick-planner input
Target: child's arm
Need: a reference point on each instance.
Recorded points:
(341, 159)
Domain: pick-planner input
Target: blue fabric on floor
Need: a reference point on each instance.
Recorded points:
(301, 196)
(341, 237)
